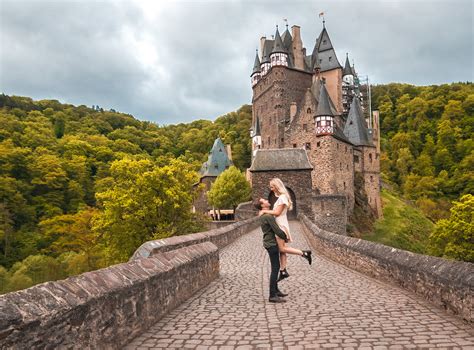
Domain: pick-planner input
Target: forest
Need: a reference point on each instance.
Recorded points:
(81, 188)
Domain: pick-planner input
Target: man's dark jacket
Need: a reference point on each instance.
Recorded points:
(270, 228)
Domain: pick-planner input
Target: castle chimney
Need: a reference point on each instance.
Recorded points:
(297, 47)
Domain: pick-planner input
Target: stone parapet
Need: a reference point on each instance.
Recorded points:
(448, 284)
(220, 237)
(107, 308)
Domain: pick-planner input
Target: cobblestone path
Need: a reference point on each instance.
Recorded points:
(329, 306)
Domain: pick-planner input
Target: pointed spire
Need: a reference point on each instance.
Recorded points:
(278, 43)
(217, 161)
(324, 106)
(347, 67)
(256, 65)
(257, 127)
(356, 129)
(266, 51)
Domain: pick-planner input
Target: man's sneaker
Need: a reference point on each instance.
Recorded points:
(276, 299)
(307, 256)
(283, 274)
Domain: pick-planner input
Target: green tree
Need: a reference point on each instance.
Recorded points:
(229, 189)
(145, 202)
(453, 238)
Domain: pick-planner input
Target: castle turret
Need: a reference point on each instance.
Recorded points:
(256, 136)
(347, 73)
(324, 117)
(255, 76)
(279, 55)
(266, 51)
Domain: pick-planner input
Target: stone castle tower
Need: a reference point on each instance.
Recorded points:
(310, 101)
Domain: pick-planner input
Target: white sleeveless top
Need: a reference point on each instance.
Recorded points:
(282, 219)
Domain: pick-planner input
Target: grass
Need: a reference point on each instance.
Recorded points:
(402, 226)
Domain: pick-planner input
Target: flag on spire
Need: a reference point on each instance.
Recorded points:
(321, 14)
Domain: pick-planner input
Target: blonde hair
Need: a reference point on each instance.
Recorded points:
(280, 187)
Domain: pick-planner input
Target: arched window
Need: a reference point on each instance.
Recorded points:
(308, 110)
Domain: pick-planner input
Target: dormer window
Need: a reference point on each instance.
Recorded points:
(330, 58)
(324, 41)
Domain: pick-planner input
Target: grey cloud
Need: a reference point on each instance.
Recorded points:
(193, 59)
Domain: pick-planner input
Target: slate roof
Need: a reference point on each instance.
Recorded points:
(217, 161)
(257, 127)
(287, 40)
(347, 67)
(256, 65)
(324, 106)
(356, 129)
(280, 159)
(267, 50)
(278, 43)
(324, 51)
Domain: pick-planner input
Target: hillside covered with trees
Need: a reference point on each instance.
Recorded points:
(427, 139)
(81, 188)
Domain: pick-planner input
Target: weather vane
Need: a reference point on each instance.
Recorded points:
(321, 14)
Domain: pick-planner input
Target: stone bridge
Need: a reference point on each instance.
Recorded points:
(209, 291)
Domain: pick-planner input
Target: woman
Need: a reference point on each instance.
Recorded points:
(280, 209)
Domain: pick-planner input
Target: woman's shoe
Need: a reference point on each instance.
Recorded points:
(307, 256)
(283, 274)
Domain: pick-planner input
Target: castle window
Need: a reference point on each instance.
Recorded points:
(350, 123)
(330, 58)
(269, 142)
(356, 159)
(340, 166)
(307, 145)
(370, 157)
(216, 166)
(308, 110)
(305, 127)
(344, 185)
(371, 178)
(294, 145)
(318, 144)
(282, 139)
(347, 166)
(318, 123)
(337, 145)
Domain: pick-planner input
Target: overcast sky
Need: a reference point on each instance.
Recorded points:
(177, 61)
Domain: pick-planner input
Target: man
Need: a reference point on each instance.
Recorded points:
(270, 229)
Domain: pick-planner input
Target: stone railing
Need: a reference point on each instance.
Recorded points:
(220, 237)
(105, 308)
(109, 307)
(446, 283)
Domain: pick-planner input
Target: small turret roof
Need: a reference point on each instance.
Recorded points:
(347, 67)
(287, 40)
(267, 50)
(217, 161)
(278, 43)
(256, 65)
(257, 127)
(324, 106)
(356, 129)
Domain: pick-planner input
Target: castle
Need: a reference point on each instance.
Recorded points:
(312, 103)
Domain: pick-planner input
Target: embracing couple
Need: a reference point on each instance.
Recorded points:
(276, 235)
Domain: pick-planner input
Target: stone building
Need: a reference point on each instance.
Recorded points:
(310, 102)
(219, 159)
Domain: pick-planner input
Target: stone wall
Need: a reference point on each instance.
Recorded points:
(330, 212)
(333, 171)
(448, 284)
(105, 308)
